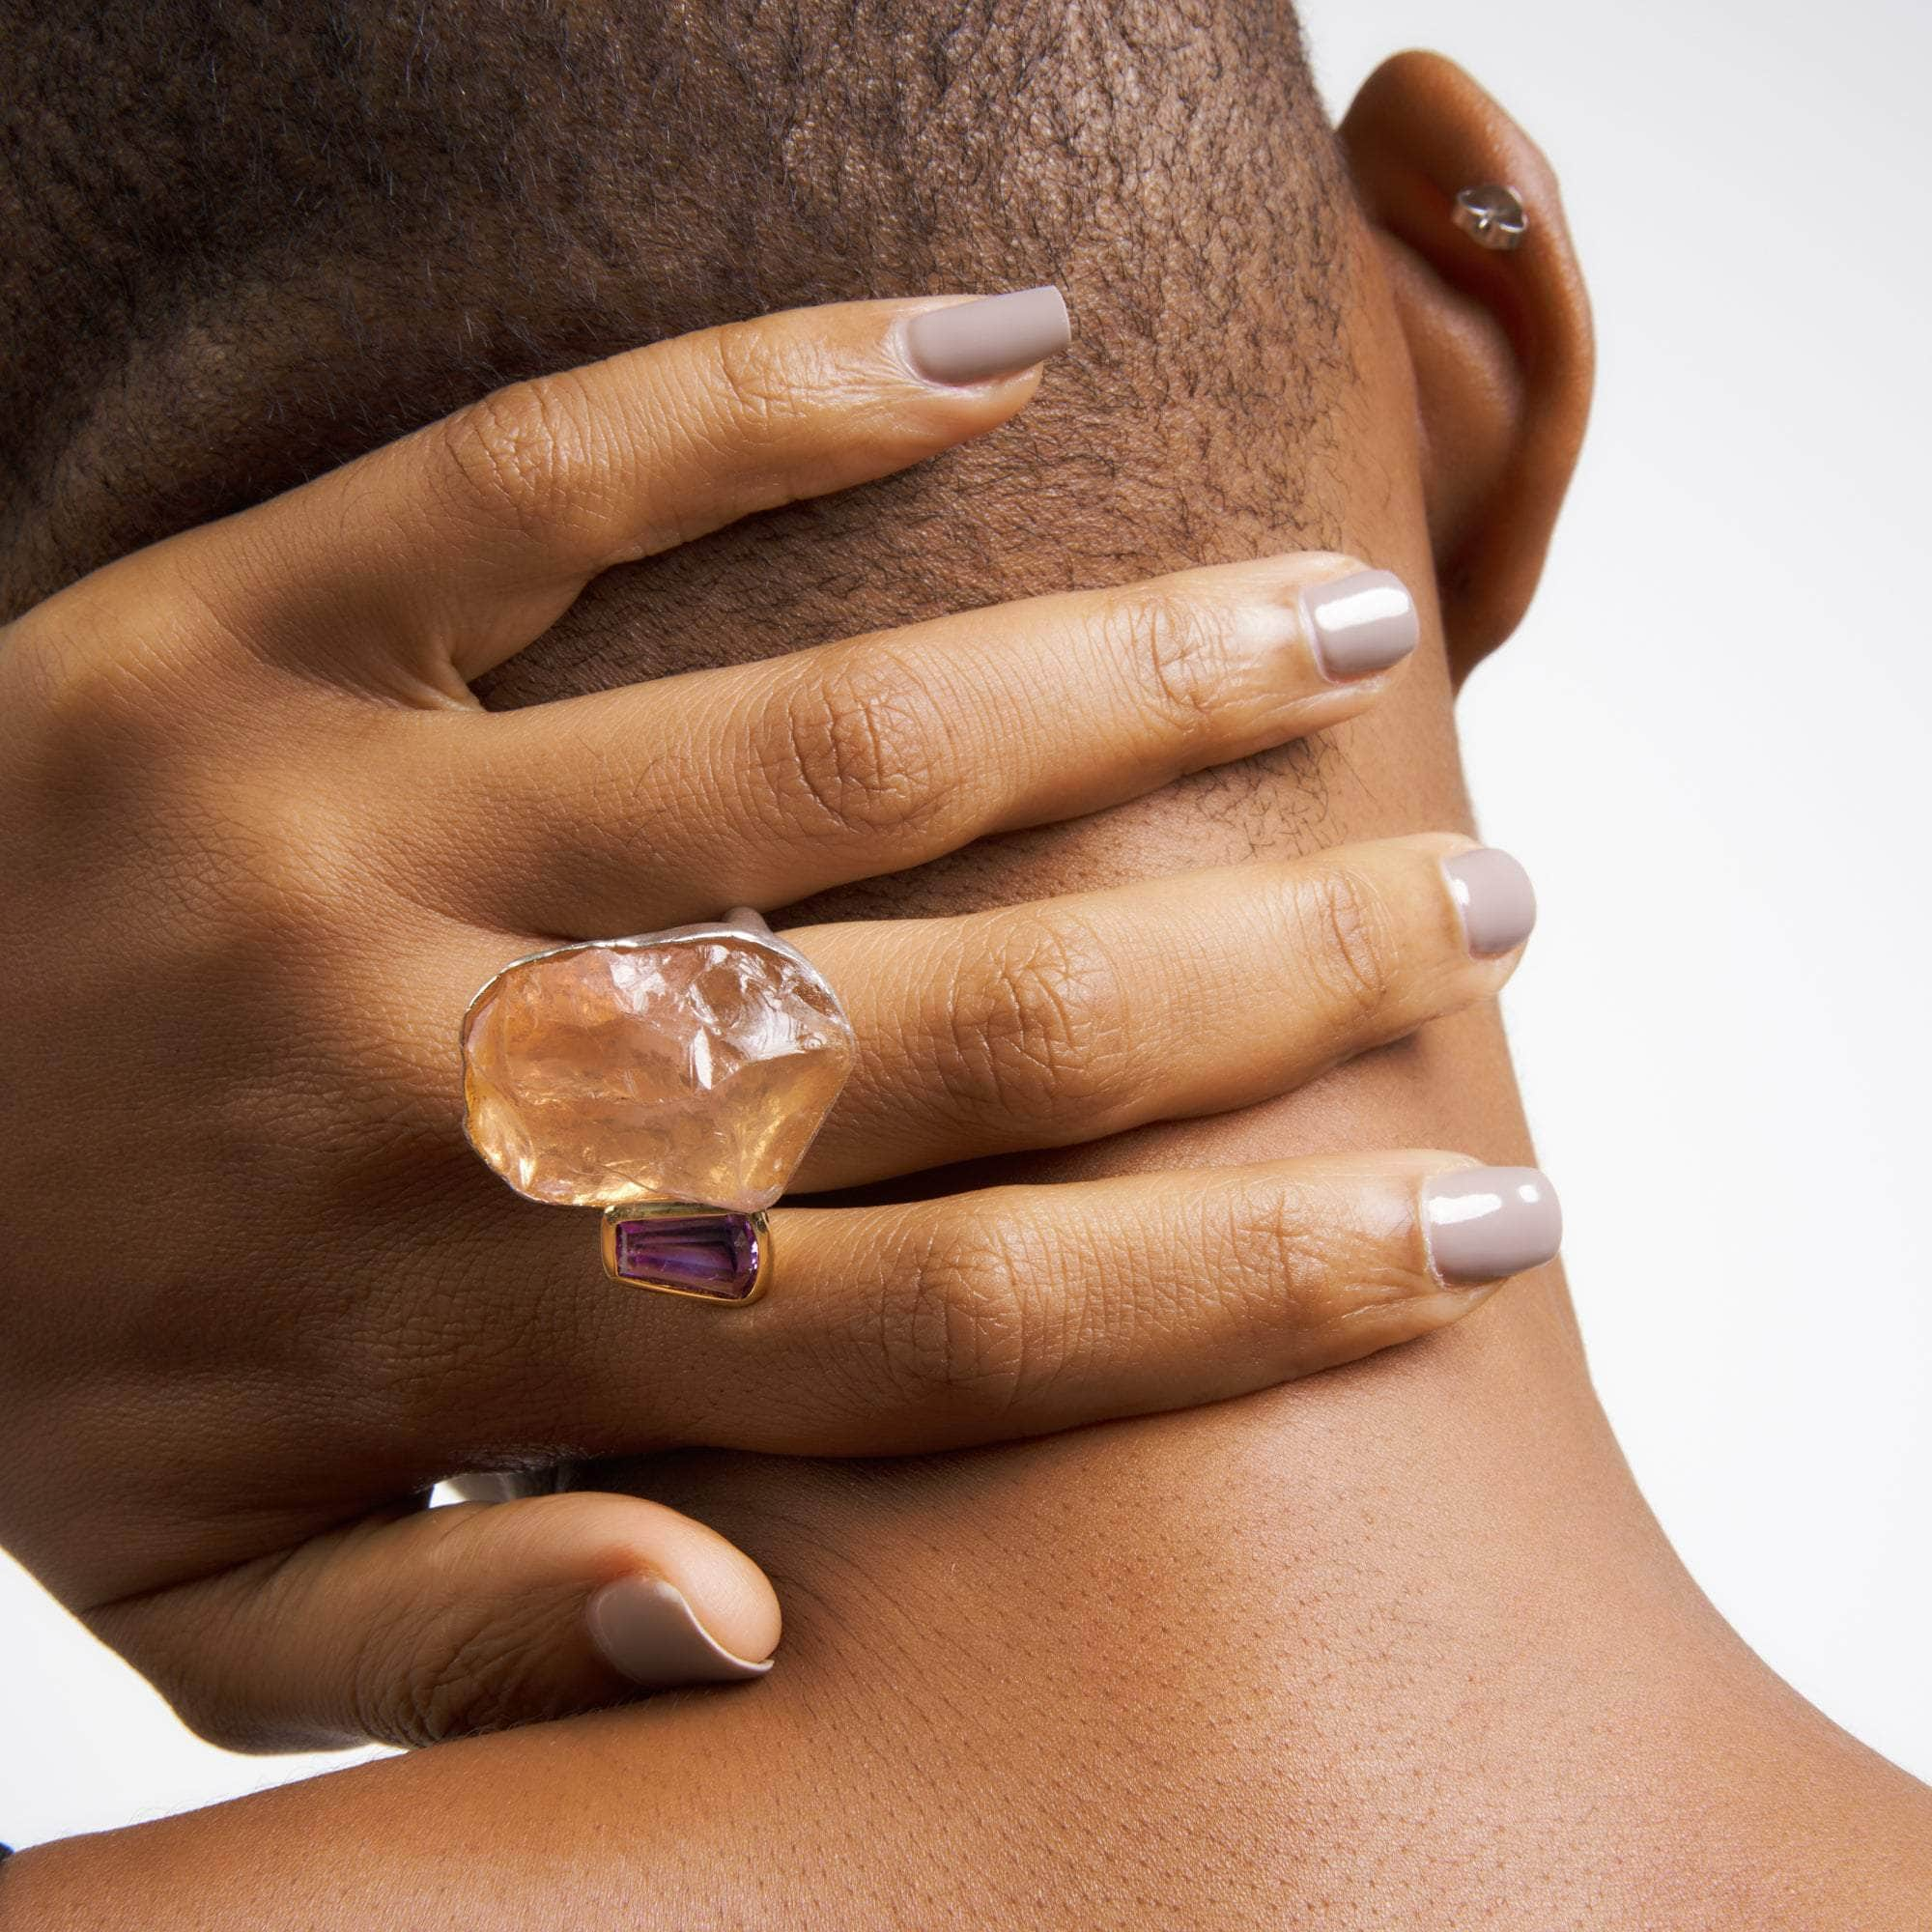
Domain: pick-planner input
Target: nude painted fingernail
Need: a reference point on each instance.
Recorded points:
(1360, 624)
(1485, 1223)
(644, 1628)
(997, 336)
(1494, 897)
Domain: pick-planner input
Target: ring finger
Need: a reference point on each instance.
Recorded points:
(1079, 1017)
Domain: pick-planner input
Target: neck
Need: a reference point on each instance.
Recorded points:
(1403, 1635)
(1421, 1591)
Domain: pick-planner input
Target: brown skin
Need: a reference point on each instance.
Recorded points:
(250, 1417)
(1398, 1647)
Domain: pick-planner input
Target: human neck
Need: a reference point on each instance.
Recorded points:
(1398, 1645)
(1404, 1637)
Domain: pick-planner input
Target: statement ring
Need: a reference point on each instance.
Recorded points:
(674, 1080)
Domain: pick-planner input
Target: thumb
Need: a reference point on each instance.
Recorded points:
(416, 1628)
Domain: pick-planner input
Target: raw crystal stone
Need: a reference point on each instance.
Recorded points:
(712, 1254)
(691, 1065)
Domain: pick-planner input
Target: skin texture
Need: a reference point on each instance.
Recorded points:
(1397, 1647)
(335, 1306)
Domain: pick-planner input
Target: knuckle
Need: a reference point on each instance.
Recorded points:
(961, 1337)
(203, 1712)
(1287, 1248)
(761, 379)
(194, 1695)
(170, 1639)
(1036, 1032)
(1176, 648)
(1279, 1248)
(87, 722)
(1349, 940)
(456, 1688)
(99, 699)
(863, 749)
(283, 901)
(515, 456)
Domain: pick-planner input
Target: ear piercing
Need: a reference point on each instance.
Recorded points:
(1492, 217)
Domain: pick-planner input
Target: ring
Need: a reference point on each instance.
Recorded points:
(674, 1080)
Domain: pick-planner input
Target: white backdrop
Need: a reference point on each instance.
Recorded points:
(1709, 747)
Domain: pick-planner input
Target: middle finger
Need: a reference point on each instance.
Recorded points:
(762, 784)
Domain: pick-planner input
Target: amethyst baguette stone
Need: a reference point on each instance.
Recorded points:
(679, 1247)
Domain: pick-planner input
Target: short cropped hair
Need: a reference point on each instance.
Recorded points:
(250, 239)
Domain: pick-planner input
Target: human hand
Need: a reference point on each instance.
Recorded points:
(262, 846)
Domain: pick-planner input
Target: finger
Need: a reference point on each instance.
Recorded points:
(998, 1314)
(1078, 1017)
(1018, 1311)
(763, 783)
(471, 537)
(415, 1629)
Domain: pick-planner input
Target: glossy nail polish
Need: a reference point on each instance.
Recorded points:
(1001, 335)
(1485, 1223)
(644, 1628)
(1360, 624)
(1494, 898)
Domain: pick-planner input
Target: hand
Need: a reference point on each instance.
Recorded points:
(262, 845)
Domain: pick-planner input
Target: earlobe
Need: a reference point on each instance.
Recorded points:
(1500, 340)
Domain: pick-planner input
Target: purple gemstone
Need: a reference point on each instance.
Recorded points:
(714, 1253)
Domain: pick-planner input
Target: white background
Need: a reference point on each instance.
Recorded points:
(1710, 746)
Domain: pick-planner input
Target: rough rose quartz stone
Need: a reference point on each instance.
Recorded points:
(693, 1065)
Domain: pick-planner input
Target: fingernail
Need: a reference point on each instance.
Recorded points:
(1485, 1223)
(1360, 624)
(643, 1627)
(998, 336)
(1494, 897)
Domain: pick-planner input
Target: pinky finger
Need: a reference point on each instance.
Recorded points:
(412, 1629)
(1016, 1311)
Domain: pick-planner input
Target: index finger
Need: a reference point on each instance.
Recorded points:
(463, 542)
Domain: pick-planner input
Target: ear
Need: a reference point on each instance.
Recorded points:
(1500, 342)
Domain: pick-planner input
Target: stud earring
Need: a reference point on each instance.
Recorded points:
(1492, 217)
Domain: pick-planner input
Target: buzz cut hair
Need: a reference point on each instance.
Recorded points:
(248, 240)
